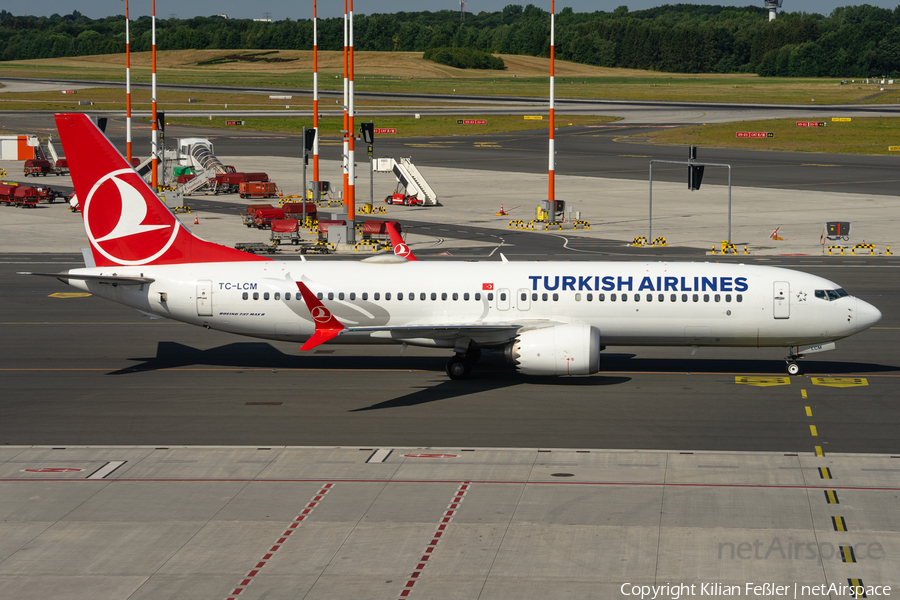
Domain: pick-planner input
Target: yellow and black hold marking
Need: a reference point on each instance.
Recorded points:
(824, 473)
(831, 497)
(857, 589)
(839, 523)
(847, 554)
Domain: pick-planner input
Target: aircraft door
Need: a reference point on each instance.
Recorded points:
(782, 308)
(204, 298)
(523, 300)
(503, 299)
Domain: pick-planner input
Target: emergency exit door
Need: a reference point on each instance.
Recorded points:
(782, 299)
(204, 298)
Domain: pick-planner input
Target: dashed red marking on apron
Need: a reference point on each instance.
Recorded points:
(248, 579)
(458, 497)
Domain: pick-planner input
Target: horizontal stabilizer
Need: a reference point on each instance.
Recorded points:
(120, 280)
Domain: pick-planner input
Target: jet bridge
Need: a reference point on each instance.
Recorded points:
(408, 177)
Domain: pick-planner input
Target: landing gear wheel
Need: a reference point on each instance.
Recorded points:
(793, 368)
(457, 368)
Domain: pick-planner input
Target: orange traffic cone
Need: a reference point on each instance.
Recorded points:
(501, 213)
(196, 220)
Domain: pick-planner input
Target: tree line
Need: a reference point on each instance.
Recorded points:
(853, 41)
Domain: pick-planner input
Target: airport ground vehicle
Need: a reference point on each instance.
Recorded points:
(37, 167)
(257, 189)
(263, 217)
(404, 199)
(285, 230)
(547, 318)
(249, 210)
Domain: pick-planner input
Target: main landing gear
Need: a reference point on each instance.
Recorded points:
(792, 367)
(460, 366)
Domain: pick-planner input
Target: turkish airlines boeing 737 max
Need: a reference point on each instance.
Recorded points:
(551, 318)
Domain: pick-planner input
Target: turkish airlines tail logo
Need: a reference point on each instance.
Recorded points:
(125, 221)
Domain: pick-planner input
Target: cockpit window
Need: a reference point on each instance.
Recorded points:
(831, 295)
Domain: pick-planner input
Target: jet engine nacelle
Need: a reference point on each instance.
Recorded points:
(557, 350)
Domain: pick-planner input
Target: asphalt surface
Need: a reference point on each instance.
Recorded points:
(603, 151)
(82, 370)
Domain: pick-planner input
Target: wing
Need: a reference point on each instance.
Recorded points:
(119, 280)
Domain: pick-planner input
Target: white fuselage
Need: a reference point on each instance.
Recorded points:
(630, 303)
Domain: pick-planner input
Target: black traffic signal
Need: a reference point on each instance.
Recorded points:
(161, 121)
(310, 139)
(101, 124)
(695, 176)
(368, 132)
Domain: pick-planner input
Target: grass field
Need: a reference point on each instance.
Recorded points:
(869, 135)
(430, 126)
(409, 72)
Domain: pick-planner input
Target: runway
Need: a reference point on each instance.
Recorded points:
(82, 370)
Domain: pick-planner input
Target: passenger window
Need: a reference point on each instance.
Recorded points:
(377, 296)
(490, 296)
(706, 297)
(365, 295)
(649, 297)
(246, 295)
(624, 297)
(727, 297)
(612, 297)
(456, 297)
(696, 298)
(637, 297)
(577, 297)
(601, 297)
(399, 295)
(340, 295)
(287, 295)
(422, 296)
(256, 295)
(684, 297)
(331, 295)
(277, 295)
(443, 295)
(662, 298)
(544, 297)
(718, 298)
(433, 296)
(320, 296)
(524, 296)
(387, 296)
(411, 296)
(266, 296)
(503, 296)
(673, 298)
(465, 295)
(353, 295)
(556, 297)
(477, 296)
(590, 297)
(739, 298)
(534, 297)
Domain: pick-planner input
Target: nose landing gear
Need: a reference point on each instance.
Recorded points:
(792, 367)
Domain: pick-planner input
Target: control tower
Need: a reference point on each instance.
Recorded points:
(773, 6)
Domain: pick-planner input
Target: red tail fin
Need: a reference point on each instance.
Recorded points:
(400, 247)
(126, 223)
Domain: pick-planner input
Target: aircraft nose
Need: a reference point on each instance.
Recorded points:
(866, 315)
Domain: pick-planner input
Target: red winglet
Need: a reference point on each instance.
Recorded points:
(327, 327)
(400, 247)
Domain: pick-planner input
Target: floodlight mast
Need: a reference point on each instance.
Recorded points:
(773, 6)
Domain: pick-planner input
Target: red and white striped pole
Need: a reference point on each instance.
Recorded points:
(127, 85)
(351, 158)
(552, 174)
(154, 140)
(315, 102)
(346, 102)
